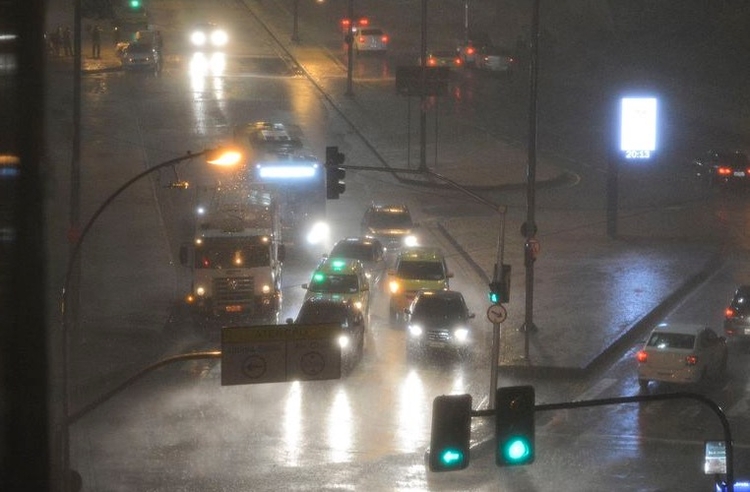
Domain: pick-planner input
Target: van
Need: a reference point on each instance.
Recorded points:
(416, 268)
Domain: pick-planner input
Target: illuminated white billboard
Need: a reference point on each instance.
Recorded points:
(638, 127)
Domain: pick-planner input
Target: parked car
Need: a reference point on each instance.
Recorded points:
(391, 224)
(681, 353)
(495, 59)
(723, 168)
(368, 250)
(140, 56)
(317, 311)
(370, 39)
(470, 49)
(438, 320)
(737, 315)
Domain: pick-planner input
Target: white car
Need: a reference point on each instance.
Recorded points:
(370, 39)
(681, 353)
(208, 35)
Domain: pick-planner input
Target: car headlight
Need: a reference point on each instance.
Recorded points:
(266, 289)
(219, 38)
(344, 341)
(198, 38)
(358, 305)
(318, 233)
(410, 241)
(461, 334)
(394, 286)
(415, 330)
(200, 291)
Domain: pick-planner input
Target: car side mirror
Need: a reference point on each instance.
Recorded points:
(449, 275)
(472, 315)
(304, 286)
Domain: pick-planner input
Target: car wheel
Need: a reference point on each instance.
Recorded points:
(643, 384)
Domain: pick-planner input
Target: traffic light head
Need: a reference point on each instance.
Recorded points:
(514, 426)
(500, 289)
(134, 4)
(335, 175)
(451, 432)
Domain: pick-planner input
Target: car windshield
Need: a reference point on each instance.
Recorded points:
(421, 270)
(682, 341)
(439, 308)
(390, 220)
(316, 312)
(334, 284)
(362, 252)
(140, 48)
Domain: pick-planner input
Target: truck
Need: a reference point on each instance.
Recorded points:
(237, 254)
(278, 161)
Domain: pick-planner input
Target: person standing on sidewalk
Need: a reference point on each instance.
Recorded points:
(96, 41)
(67, 42)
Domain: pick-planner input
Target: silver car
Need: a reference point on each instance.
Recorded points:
(370, 39)
(368, 250)
(140, 56)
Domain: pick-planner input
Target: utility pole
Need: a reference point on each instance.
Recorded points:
(530, 224)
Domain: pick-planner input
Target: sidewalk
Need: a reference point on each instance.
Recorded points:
(592, 295)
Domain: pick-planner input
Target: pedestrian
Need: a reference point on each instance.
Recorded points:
(96, 41)
(67, 41)
(57, 40)
(158, 43)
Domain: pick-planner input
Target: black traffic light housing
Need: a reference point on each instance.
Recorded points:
(514, 426)
(451, 432)
(500, 289)
(335, 175)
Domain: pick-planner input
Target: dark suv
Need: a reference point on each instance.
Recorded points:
(391, 224)
(438, 319)
(737, 315)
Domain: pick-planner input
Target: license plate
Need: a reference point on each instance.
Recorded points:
(233, 309)
(435, 344)
(739, 174)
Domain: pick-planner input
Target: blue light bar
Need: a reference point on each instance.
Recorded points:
(285, 171)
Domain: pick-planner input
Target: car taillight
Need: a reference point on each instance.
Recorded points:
(364, 22)
(641, 356)
(384, 39)
(361, 39)
(724, 171)
(457, 61)
(469, 50)
(431, 62)
(730, 313)
(691, 360)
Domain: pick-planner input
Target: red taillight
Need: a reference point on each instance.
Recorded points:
(730, 313)
(384, 39)
(470, 50)
(457, 61)
(724, 171)
(431, 62)
(364, 22)
(361, 39)
(345, 23)
(691, 360)
(641, 356)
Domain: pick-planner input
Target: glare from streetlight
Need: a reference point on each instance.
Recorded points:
(224, 158)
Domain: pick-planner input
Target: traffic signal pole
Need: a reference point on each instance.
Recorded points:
(495, 354)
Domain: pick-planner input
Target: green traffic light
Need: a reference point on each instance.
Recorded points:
(517, 450)
(134, 4)
(452, 458)
(494, 297)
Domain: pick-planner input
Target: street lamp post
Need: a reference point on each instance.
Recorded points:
(219, 157)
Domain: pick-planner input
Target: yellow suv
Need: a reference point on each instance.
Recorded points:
(341, 279)
(416, 268)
